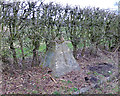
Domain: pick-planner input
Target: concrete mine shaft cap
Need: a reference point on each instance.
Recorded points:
(60, 59)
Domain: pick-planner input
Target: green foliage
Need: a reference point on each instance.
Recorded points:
(116, 89)
(110, 72)
(74, 89)
(27, 52)
(69, 81)
(56, 92)
(70, 45)
(63, 81)
(42, 48)
(34, 92)
(44, 77)
(89, 73)
(26, 26)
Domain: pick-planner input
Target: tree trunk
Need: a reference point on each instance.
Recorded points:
(47, 45)
(35, 61)
(83, 50)
(35, 58)
(15, 62)
(23, 55)
(74, 50)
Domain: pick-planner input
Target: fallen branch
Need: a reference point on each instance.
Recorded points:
(52, 78)
(116, 49)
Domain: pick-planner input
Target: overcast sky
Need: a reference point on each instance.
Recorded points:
(93, 3)
(106, 4)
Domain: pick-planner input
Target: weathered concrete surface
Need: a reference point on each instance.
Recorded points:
(60, 59)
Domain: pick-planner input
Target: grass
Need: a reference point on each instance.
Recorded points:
(28, 51)
(70, 45)
(115, 89)
(34, 92)
(88, 73)
(56, 92)
(69, 81)
(42, 47)
(63, 81)
(65, 89)
(74, 89)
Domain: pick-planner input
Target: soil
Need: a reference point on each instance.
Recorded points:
(98, 75)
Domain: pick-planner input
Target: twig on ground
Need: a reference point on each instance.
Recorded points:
(52, 78)
(116, 49)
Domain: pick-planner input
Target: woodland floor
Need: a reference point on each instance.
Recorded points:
(38, 81)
